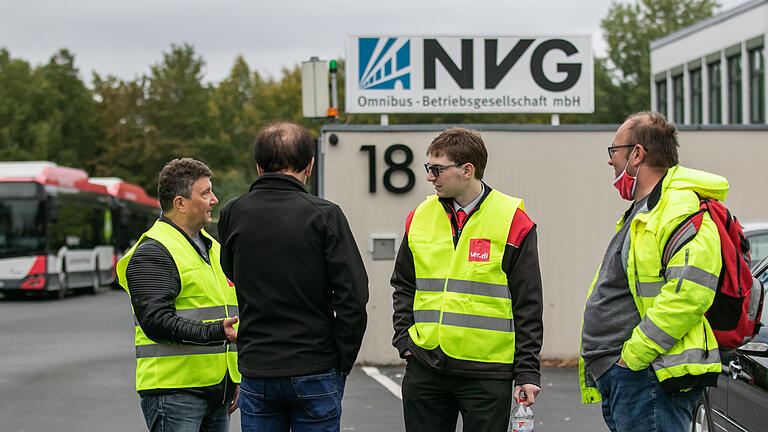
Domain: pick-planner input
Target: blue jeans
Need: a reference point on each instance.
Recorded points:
(183, 412)
(309, 403)
(635, 401)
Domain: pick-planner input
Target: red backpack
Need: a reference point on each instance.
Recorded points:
(735, 312)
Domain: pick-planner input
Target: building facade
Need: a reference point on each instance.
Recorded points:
(713, 72)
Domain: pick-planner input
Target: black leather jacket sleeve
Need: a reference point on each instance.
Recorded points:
(153, 282)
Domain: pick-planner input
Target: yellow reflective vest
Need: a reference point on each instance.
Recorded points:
(205, 296)
(673, 337)
(462, 302)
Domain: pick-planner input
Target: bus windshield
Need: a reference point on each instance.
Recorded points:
(22, 223)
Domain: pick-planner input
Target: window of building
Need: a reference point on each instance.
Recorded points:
(661, 97)
(756, 86)
(696, 101)
(715, 91)
(734, 89)
(678, 99)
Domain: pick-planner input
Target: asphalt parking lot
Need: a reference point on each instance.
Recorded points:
(368, 404)
(69, 366)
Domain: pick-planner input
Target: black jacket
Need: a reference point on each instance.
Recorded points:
(521, 265)
(301, 284)
(154, 283)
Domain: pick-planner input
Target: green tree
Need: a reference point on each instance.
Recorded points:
(70, 113)
(19, 89)
(176, 111)
(611, 106)
(629, 29)
(230, 111)
(122, 149)
(46, 112)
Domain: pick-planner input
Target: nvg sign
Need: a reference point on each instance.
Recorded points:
(457, 74)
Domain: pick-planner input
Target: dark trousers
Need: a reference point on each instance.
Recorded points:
(634, 401)
(432, 401)
(306, 403)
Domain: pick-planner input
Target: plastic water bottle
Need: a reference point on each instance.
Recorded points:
(521, 419)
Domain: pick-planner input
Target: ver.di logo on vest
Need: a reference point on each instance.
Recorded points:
(385, 63)
(479, 249)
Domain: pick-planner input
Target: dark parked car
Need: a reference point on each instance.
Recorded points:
(757, 234)
(740, 400)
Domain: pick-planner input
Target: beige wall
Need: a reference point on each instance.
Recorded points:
(563, 176)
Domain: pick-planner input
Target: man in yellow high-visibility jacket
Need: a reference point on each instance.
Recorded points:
(185, 309)
(646, 348)
(467, 299)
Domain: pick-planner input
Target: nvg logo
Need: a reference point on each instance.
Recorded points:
(385, 63)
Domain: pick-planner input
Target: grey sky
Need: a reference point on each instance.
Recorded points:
(125, 38)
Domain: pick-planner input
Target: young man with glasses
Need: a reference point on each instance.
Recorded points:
(467, 296)
(646, 349)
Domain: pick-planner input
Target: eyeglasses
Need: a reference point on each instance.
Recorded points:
(613, 149)
(435, 169)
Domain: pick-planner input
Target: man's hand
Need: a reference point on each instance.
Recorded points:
(233, 407)
(622, 363)
(531, 390)
(229, 329)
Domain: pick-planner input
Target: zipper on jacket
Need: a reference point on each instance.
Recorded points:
(682, 274)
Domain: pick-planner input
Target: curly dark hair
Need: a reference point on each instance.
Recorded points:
(176, 179)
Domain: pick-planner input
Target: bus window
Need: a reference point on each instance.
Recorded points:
(77, 226)
(21, 227)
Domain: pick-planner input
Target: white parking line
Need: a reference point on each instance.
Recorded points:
(384, 380)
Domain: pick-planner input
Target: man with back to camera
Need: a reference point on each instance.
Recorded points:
(302, 293)
(467, 298)
(185, 309)
(646, 348)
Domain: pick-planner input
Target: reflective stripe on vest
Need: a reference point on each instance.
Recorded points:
(211, 313)
(462, 301)
(205, 296)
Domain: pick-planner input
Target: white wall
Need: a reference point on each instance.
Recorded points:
(563, 176)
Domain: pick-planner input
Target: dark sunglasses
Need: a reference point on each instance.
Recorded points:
(613, 149)
(435, 169)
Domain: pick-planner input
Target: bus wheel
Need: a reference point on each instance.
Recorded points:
(11, 295)
(93, 290)
(63, 282)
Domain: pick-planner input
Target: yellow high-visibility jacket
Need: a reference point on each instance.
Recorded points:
(673, 337)
(462, 302)
(205, 295)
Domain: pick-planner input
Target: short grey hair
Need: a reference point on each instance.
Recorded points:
(176, 179)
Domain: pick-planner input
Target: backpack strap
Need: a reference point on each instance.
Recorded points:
(682, 235)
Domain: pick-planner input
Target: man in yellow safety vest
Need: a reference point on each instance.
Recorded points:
(467, 298)
(185, 309)
(646, 348)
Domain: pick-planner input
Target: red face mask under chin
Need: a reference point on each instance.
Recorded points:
(626, 184)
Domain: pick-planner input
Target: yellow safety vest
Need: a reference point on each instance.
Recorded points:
(205, 296)
(673, 337)
(462, 302)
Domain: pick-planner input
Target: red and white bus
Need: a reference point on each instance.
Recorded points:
(133, 211)
(58, 230)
